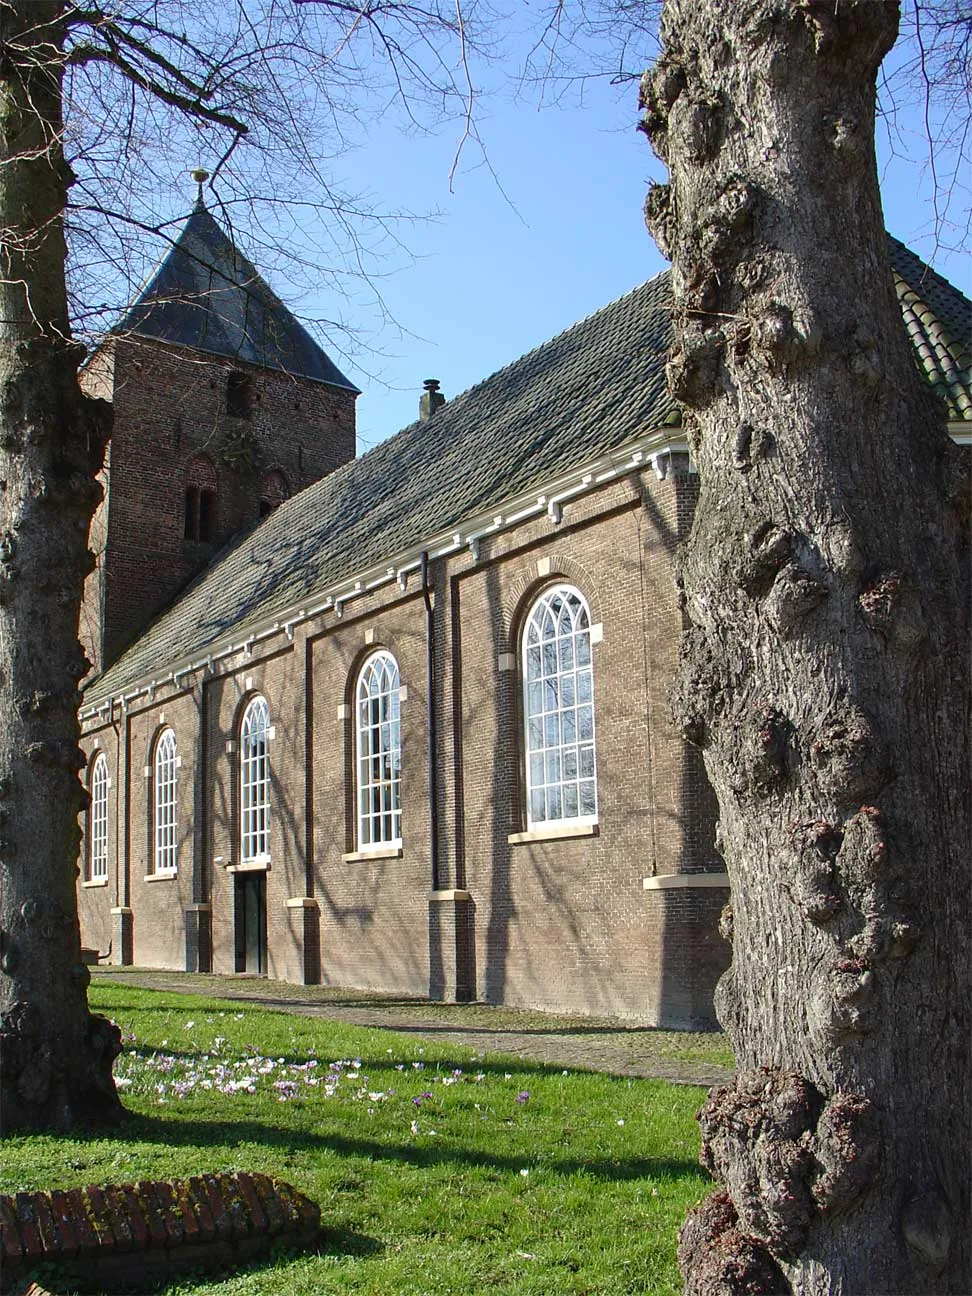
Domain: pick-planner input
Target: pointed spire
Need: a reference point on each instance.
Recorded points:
(200, 176)
(205, 294)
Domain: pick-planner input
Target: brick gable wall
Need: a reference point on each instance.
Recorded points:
(169, 409)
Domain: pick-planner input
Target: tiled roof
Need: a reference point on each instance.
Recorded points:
(206, 295)
(939, 322)
(579, 396)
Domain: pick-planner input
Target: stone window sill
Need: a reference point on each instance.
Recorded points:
(684, 881)
(554, 832)
(169, 875)
(387, 851)
(95, 882)
(259, 865)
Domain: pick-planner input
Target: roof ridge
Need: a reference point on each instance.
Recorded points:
(928, 270)
(590, 389)
(527, 355)
(207, 294)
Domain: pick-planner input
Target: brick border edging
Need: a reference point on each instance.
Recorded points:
(134, 1233)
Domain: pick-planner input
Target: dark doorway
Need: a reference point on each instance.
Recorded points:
(251, 923)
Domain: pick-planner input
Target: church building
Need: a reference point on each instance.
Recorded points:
(401, 722)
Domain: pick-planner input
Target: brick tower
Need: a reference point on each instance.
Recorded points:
(223, 407)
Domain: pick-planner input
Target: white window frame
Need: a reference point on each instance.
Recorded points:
(164, 804)
(255, 737)
(558, 710)
(378, 753)
(98, 820)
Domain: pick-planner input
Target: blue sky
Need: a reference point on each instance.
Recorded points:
(519, 245)
(555, 232)
(499, 271)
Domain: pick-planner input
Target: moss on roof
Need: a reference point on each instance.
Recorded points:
(939, 322)
(581, 395)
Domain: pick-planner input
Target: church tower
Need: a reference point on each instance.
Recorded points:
(224, 406)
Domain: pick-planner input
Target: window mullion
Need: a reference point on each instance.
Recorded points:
(378, 743)
(556, 651)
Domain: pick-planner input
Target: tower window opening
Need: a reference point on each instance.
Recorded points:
(207, 507)
(239, 395)
(192, 513)
(273, 491)
(201, 521)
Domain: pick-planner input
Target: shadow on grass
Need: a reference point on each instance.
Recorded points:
(498, 1063)
(319, 1008)
(343, 1241)
(70, 1278)
(225, 998)
(230, 1134)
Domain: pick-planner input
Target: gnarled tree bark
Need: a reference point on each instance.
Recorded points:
(825, 673)
(55, 1057)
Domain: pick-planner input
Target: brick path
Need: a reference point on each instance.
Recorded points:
(583, 1043)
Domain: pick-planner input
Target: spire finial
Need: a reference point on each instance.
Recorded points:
(200, 176)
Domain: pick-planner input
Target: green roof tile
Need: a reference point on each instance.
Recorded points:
(939, 322)
(577, 397)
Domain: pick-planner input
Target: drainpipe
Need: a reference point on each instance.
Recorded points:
(122, 911)
(432, 729)
(121, 853)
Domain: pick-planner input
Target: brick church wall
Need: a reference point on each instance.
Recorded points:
(278, 678)
(373, 908)
(561, 923)
(158, 900)
(685, 954)
(96, 898)
(170, 406)
(565, 923)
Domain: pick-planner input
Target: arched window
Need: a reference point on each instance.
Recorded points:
(255, 782)
(164, 799)
(98, 820)
(201, 495)
(273, 492)
(558, 707)
(379, 752)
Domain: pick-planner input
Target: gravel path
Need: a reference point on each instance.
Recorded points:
(581, 1043)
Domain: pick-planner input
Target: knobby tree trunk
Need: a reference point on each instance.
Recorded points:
(56, 1057)
(825, 673)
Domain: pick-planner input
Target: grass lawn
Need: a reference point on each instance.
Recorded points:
(436, 1171)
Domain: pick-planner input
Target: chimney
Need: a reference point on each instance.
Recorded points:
(431, 399)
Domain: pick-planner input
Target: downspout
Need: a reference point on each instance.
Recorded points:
(199, 915)
(123, 765)
(432, 727)
(202, 882)
(121, 854)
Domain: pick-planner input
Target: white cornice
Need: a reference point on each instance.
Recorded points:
(654, 448)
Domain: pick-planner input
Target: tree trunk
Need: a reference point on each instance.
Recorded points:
(56, 1057)
(825, 671)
